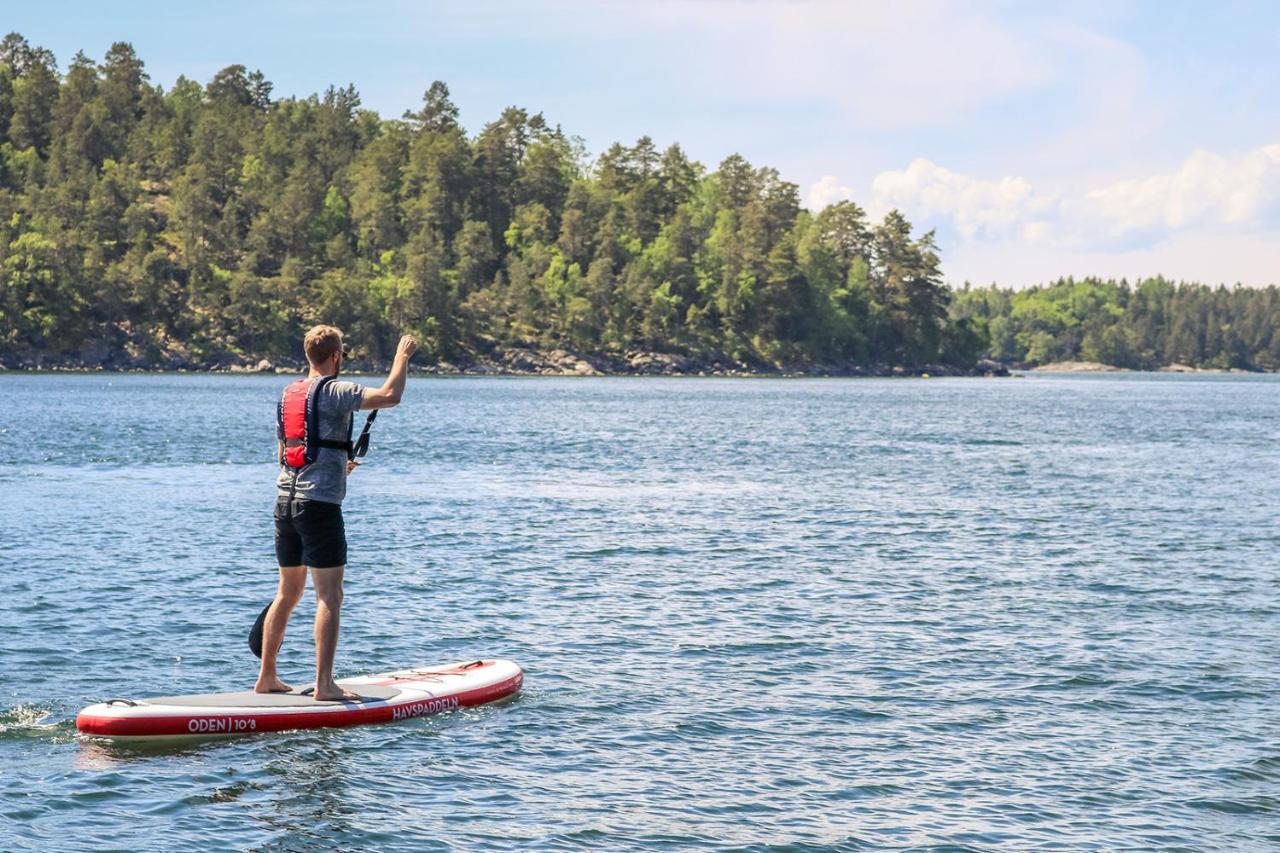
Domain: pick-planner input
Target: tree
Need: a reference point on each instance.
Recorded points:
(437, 114)
(237, 86)
(35, 92)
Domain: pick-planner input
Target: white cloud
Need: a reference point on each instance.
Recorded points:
(1208, 191)
(977, 208)
(827, 191)
(1228, 201)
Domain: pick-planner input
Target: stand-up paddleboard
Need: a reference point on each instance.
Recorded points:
(384, 698)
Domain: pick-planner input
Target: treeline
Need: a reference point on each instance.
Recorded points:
(1149, 325)
(213, 222)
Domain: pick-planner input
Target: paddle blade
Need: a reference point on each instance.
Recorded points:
(255, 633)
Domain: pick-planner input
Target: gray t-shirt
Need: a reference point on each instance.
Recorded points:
(326, 478)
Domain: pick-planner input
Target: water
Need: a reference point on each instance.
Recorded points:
(987, 614)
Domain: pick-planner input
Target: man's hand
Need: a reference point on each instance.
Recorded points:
(352, 465)
(389, 394)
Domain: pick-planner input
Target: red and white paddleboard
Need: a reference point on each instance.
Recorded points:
(384, 698)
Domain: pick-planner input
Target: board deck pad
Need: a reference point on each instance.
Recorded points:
(383, 698)
(293, 699)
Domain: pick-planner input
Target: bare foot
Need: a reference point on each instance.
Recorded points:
(334, 693)
(275, 685)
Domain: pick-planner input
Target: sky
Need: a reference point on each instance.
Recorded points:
(1039, 140)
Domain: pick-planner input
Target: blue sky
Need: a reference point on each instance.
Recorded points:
(1039, 139)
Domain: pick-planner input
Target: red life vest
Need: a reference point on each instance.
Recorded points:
(298, 423)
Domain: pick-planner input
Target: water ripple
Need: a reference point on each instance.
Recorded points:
(774, 615)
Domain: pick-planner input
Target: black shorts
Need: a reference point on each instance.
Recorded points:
(310, 533)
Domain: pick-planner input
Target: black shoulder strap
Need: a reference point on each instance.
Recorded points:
(313, 423)
(313, 417)
(280, 416)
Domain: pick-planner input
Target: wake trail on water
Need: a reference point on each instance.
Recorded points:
(30, 722)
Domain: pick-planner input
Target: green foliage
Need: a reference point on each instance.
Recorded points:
(1151, 325)
(218, 222)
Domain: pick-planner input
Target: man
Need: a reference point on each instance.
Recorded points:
(315, 433)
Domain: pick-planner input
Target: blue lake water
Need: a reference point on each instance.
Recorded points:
(976, 613)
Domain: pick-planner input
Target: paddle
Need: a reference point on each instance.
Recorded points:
(358, 451)
(255, 633)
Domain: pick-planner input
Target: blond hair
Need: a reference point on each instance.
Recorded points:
(321, 343)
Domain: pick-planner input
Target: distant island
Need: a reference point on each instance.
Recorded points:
(206, 226)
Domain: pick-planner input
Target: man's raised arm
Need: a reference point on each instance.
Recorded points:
(393, 389)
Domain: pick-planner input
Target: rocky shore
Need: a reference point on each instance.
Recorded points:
(1076, 367)
(1099, 367)
(517, 361)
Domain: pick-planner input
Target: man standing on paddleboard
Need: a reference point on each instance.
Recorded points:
(314, 428)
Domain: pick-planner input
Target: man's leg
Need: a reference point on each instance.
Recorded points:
(328, 584)
(293, 579)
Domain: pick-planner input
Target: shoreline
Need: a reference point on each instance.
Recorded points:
(1099, 367)
(523, 361)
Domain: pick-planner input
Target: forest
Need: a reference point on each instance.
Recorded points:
(210, 224)
(1151, 324)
